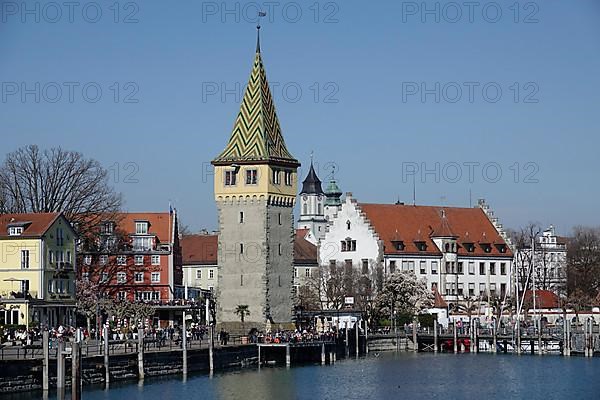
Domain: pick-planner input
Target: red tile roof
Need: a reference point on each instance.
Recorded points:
(35, 224)
(439, 301)
(304, 251)
(200, 249)
(160, 223)
(416, 223)
(543, 299)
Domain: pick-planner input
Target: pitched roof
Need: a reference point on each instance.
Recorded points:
(304, 251)
(200, 249)
(439, 301)
(312, 183)
(443, 228)
(34, 224)
(543, 299)
(160, 223)
(416, 224)
(256, 135)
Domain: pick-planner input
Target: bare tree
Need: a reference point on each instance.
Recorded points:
(583, 263)
(56, 180)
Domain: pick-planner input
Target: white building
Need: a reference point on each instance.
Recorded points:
(459, 251)
(550, 260)
(312, 205)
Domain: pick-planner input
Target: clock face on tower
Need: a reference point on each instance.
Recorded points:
(320, 197)
(305, 197)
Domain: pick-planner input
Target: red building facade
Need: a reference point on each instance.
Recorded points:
(134, 256)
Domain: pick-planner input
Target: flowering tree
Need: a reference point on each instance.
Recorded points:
(405, 293)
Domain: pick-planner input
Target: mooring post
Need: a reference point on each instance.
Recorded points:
(435, 336)
(495, 336)
(455, 335)
(518, 336)
(322, 353)
(184, 344)
(211, 345)
(60, 366)
(141, 353)
(75, 371)
(288, 357)
(46, 365)
(259, 361)
(366, 337)
(346, 343)
(568, 341)
(477, 338)
(106, 356)
(357, 334)
(414, 334)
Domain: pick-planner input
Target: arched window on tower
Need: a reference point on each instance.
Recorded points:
(319, 209)
(305, 209)
(348, 225)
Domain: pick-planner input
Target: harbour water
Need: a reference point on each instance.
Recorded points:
(384, 376)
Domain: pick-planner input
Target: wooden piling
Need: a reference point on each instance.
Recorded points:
(366, 337)
(46, 365)
(357, 335)
(211, 345)
(322, 353)
(494, 337)
(288, 358)
(75, 371)
(106, 356)
(184, 345)
(455, 337)
(60, 366)
(346, 343)
(414, 334)
(435, 336)
(141, 353)
(259, 357)
(518, 337)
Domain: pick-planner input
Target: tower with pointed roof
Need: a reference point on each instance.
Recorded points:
(312, 205)
(333, 202)
(255, 191)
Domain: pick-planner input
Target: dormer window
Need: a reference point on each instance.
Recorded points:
(421, 246)
(398, 245)
(501, 248)
(15, 231)
(108, 228)
(470, 247)
(141, 228)
(486, 248)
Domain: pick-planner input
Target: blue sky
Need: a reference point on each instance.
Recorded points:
(354, 82)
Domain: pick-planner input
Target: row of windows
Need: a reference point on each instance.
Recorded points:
(252, 177)
(211, 274)
(452, 288)
(451, 267)
(59, 286)
(122, 260)
(307, 272)
(138, 277)
(448, 247)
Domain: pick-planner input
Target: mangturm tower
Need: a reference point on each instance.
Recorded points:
(255, 191)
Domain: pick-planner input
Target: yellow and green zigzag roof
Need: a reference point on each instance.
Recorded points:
(256, 135)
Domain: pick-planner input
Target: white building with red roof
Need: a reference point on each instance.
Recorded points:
(459, 251)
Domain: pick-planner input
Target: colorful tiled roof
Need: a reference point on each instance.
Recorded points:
(416, 223)
(256, 135)
(34, 224)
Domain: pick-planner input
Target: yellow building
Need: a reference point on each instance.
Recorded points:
(37, 269)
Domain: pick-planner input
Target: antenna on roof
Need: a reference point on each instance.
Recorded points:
(414, 191)
(470, 199)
